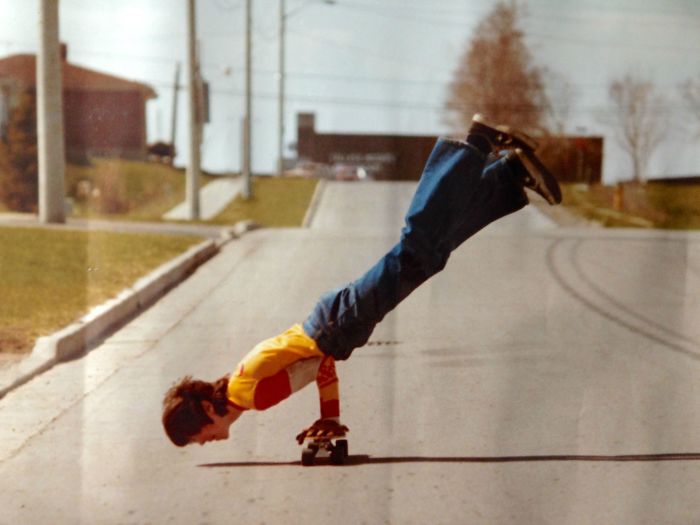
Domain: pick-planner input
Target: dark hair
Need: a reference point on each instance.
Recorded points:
(183, 413)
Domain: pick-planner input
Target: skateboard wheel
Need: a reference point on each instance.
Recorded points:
(308, 456)
(339, 452)
(343, 444)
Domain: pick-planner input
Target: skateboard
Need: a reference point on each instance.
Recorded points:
(335, 447)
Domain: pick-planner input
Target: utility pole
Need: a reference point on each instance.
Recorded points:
(280, 91)
(173, 123)
(282, 24)
(52, 207)
(194, 164)
(247, 128)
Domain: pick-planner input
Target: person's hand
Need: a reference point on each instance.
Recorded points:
(323, 428)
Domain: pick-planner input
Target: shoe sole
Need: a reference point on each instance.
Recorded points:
(543, 182)
(507, 137)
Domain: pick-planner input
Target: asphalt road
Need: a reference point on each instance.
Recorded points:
(548, 375)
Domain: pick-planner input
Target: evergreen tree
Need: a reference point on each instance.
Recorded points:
(19, 170)
(496, 76)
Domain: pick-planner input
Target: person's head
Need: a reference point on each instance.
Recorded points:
(197, 411)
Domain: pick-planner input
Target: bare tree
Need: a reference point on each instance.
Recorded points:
(496, 76)
(641, 121)
(560, 100)
(690, 90)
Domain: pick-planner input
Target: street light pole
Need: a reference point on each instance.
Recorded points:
(247, 128)
(50, 118)
(173, 122)
(194, 165)
(280, 135)
(283, 16)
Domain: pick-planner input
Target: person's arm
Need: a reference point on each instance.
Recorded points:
(328, 391)
(299, 374)
(329, 424)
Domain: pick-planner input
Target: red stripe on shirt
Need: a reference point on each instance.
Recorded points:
(271, 390)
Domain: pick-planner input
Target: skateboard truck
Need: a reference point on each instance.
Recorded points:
(324, 439)
(334, 447)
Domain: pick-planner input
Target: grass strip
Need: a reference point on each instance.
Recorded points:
(652, 205)
(144, 191)
(276, 202)
(49, 278)
(125, 189)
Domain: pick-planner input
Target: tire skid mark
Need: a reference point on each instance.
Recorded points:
(576, 264)
(610, 316)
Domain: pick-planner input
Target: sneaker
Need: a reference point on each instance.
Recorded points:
(500, 137)
(534, 174)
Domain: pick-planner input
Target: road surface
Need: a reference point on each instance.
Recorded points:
(548, 375)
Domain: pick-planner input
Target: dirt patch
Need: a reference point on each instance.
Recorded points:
(13, 342)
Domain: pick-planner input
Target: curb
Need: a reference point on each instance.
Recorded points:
(72, 341)
(313, 205)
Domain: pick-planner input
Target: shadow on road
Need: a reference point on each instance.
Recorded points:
(362, 459)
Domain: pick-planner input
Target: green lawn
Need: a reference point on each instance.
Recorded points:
(50, 278)
(125, 189)
(133, 190)
(653, 205)
(276, 202)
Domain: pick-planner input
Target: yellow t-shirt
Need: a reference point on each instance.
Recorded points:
(267, 359)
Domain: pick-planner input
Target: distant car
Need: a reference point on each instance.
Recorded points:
(162, 152)
(350, 172)
(309, 169)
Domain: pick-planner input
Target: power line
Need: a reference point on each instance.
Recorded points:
(370, 53)
(598, 43)
(441, 9)
(316, 75)
(402, 14)
(328, 77)
(228, 5)
(595, 18)
(421, 104)
(618, 9)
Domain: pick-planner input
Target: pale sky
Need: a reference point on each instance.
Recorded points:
(376, 66)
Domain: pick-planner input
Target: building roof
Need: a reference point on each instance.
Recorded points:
(22, 68)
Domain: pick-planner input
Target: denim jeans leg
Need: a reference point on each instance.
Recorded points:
(498, 193)
(455, 197)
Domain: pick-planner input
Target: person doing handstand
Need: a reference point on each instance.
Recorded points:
(465, 186)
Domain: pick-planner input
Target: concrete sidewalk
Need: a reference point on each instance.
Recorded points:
(29, 220)
(548, 375)
(213, 198)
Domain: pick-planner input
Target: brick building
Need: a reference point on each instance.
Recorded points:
(104, 115)
(384, 157)
(402, 157)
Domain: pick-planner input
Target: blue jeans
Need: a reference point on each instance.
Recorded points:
(458, 194)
